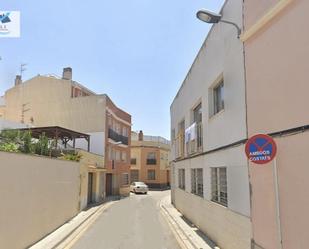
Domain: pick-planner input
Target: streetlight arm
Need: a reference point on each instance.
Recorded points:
(235, 25)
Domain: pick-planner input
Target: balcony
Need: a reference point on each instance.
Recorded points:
(117, 137)
(195, 145)
(151, 161)
(180, 145)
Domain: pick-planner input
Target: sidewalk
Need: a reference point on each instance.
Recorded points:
(64, 235)
(188, 236)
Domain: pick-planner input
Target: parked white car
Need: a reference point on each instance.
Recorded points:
(139, 187)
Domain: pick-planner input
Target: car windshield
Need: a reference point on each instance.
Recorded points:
(140, 183)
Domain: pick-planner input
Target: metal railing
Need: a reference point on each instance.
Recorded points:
(151, 161)
(117, 137)
(196, 145)
(180, 145)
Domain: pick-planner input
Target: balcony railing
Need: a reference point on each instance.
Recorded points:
(151, 161)
(180, 145)
(196, 145)
(117, 137)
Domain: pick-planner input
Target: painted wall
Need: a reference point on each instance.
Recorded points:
(277, 68)
(6, 124)
(277, 87)
(38, 195)
(221, 54)
(49, 102)
(228, 229)
(97, 145)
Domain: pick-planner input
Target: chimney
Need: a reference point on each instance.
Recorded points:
(18, 80)
(67, 73)
(140, 136)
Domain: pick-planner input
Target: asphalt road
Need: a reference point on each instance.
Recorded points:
(132, 223)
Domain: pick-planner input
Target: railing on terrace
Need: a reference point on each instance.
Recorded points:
(196, 145)
(117, 137)
(180, 145)
(151, 161)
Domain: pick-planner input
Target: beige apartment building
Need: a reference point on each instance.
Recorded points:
(49, 100)
(276, 42)
(150, 160)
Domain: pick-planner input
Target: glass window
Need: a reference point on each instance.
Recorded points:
(125, 179)
(133, 161)
(134, 175)
(219, 185)
(181, 178)
(197, 114)
(218, 95)
(197, 182)
(151, 174)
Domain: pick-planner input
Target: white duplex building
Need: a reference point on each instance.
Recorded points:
(210, 184)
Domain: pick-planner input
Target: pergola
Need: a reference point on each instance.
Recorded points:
(56, 133)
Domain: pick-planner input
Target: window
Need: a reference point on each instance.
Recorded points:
(117, 157)
(151, 174)
(110, 154)
(134, 175)
(123, 156)
(151, 158)
(181, 178)
(197, 182)
(133, 161)
(125, 131)
(197, 114)
(219, 185)
(125, 179)
(218, 97)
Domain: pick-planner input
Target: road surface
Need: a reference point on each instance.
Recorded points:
(132, 223)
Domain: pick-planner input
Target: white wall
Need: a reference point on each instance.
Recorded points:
(96, 143)
(237, 176)
(5, 124)
(222, 53)
(2, 101)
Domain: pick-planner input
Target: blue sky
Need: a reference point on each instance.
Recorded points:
(137, 51)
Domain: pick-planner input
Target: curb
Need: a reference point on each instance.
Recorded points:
(181, 236)
(69, 236)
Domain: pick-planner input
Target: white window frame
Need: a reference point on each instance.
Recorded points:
(197, 182)
(182, 179)
(219, 185)
(125, 179)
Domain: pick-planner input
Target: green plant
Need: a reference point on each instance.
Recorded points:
(27, 145)
(9, 147)
(71, 157)
(41, 147)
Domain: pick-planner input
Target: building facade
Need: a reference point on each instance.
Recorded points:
(54, 101)
(276, 42)
(210, 184)
(150, 160)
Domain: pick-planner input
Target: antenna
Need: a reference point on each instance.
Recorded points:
(22, 68)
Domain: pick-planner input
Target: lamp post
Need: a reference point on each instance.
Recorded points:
(211, 17)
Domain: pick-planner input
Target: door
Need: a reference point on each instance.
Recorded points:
(90, 184)
(109, 184)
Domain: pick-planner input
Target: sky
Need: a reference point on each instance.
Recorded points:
(138, 52)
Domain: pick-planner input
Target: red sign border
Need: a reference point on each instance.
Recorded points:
(271, 140)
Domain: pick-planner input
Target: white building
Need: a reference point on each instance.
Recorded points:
(210, 184)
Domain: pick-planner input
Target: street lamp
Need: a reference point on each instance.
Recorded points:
(211, 17)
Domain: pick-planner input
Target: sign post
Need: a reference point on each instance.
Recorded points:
(262, 149)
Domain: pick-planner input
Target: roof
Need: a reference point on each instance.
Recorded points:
(55, 131)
